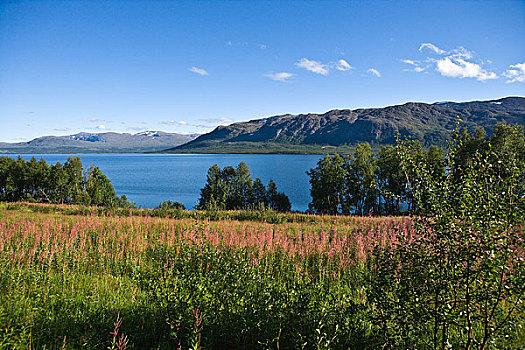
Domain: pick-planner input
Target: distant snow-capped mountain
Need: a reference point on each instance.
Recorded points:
(108, 142)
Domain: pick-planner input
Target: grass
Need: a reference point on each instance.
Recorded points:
(76, 278)
(267, 215)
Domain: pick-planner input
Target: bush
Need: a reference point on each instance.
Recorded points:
(459, 283)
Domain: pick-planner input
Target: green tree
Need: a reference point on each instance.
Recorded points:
(458, 281)
(40, 180)
(215, 191)
(468, 146)
(240, 187)
(361, 181)
(327, 182)
(57, 184)
(99, 188)
(390, 180)
(435, 161)
(74, 172)
(166, 205)
(7, 185)
(233, 188)
(508, 143)
(277, 200)
(259, 195)
(20, 177)
(37, 181)
(410, 170)
(32, 179)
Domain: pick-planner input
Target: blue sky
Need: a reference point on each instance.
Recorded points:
(189, 66)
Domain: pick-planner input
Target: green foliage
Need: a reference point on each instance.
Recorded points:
(383, 184)
(99, 188)
(459, 283)
(220, 299)
(259, 214)
(277, 200)
(74, 173)
(36, 181)
(233, 188)
(328, 185)
(170, 205)
(366, 184)
(87, 281)
(258, 195)
(390, 180)
(361, 181)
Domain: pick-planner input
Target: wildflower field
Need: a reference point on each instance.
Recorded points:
(141, 282)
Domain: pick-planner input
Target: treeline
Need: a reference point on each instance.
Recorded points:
(364, 183)
(37, 181)
(233, 188)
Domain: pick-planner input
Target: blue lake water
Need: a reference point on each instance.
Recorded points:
(149, 179)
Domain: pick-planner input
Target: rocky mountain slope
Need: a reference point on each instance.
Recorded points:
(109, 142)
(430, 123)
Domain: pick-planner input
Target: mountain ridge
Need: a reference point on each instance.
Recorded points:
(337, 130)
(106, 142)
(429, 123)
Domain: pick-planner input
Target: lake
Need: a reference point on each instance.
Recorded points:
(149, 179)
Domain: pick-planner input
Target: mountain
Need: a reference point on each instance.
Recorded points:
(109, 142)
(340, 130)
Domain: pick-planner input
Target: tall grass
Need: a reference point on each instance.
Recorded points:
(72, 279)
(263, 215)
(67, 280)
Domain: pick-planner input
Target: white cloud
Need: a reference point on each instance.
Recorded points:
(456, 63)
(462, 52)
(374, 72)
(101, 127)
(313, 66)
(173, 122)
(455, 67)
(207, 127)
(199, 71)
(413, 63)
(217, 120)
(516, 73)
(433, 48)
(62, 129)
(283, 76)
(93, 120)
(342, 65)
